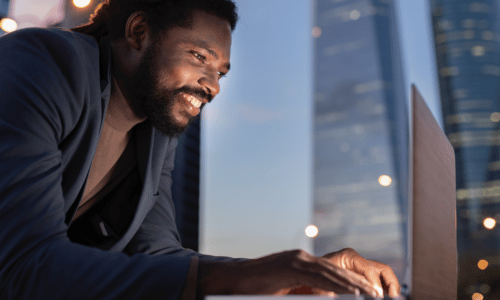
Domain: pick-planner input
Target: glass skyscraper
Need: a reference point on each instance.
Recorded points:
(467, 44)
(360, 131)
(4, 9)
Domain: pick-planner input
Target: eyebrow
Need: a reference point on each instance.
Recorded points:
(203, 44)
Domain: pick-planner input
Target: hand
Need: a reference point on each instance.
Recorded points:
(278, 274)
(378, 274)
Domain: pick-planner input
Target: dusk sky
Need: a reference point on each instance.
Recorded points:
(257, 134)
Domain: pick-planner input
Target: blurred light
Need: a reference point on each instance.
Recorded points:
(484, 288)
(316, 32)
(468, 23)
(489, 223)
(477, 296)
(482, 264)
(487, 35)
(8, 25)
(469, 34)
(384, 180)
(495, 117)
(441, 38)
(81, 3)
(311, 231)
(354, 15)
(477, 50)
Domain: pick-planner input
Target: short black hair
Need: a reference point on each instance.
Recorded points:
(110, 16)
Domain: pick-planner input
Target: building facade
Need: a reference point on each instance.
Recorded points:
(360, 131)
(467, 44)
(4, 10)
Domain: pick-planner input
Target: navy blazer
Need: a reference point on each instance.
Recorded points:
(54, 91)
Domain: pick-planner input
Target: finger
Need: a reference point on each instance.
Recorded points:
(321, 292)
(374, 279)
(390, 282)
(328, 273)
(356, 280)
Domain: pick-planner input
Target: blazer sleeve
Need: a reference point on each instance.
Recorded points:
(158, 233)
(40, 74)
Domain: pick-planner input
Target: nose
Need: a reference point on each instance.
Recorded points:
(210, 82)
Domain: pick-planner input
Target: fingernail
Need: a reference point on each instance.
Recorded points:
(357, 292)
(379, 290)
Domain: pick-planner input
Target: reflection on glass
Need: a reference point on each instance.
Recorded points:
(360, 131)
(470, 88)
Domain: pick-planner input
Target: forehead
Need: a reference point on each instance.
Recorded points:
(205, 29)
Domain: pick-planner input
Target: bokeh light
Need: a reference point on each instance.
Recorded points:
(311, 231)
(478, 50)
(81, 3)
(482, 264)
(489, 223)
(8, 25)
(354, 15)
(477, 296)
(495, 117)
(384, 180)
(316, 32)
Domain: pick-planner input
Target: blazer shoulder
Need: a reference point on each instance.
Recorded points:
(52, 45)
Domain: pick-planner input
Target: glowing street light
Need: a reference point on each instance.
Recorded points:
(384, 180)
(482, 264)
(8, 25)
(477, 296)
(489, 223)
(311, 231)
(81, 3)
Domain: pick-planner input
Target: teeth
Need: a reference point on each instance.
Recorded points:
(195, 102)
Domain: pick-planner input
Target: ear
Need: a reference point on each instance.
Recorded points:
(136, 30)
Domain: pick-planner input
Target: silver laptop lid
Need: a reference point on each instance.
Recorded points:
(432, 265)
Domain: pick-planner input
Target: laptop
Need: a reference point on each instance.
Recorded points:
(431, 267)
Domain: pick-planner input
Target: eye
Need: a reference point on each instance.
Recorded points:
(221, 74)
(199, 56)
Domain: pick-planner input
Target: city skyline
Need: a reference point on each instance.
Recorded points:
(467, 38)
(360, 151)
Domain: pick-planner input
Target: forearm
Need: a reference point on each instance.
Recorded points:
(59, 269)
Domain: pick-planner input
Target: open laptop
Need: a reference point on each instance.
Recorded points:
(431, 267)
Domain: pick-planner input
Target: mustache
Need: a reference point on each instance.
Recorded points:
(199, 93)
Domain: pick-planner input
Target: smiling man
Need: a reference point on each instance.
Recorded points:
(89, 120)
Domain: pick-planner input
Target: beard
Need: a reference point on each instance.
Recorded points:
(158, 102)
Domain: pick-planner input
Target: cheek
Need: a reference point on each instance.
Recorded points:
(177, 74)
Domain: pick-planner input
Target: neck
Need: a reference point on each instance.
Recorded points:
(119, 113)
(122, 113)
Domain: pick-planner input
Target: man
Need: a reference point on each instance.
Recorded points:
(88, 122)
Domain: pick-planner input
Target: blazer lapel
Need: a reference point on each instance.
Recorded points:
(149, 148)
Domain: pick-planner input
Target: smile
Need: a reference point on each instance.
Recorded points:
(193, 100)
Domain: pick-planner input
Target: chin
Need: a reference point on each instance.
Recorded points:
(168, 127)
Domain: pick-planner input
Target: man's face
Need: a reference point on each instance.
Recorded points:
(180, 72)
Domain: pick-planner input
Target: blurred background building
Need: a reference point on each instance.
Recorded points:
(467, 44)
(6, 24)
(360, 131)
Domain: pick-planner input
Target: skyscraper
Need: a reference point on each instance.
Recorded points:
(360, 130)
(4, 9)
(467, 44)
